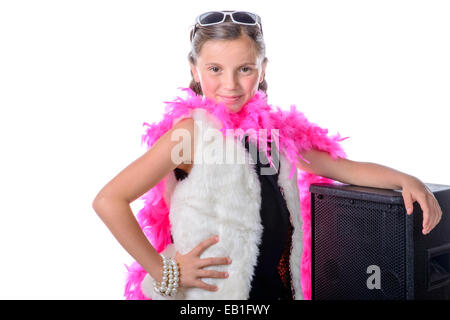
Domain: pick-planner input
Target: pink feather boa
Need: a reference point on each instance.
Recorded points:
(295, 135)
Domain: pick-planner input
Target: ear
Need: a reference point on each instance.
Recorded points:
(194, 72)
(263, 70)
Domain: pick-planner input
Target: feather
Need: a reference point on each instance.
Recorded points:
(291, 129)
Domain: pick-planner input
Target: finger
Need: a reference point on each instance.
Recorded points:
(202, 246)
(213, 262)
(440, 212)
(434, 216)
(407, 198)
(437, 214)
(203, 285)
(426, 215)
(434, 212)
(212, 274)
(431, 222)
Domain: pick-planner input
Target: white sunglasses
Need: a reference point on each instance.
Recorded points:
(215, 17)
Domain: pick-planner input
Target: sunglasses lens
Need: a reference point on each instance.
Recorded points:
(211, 17)
(244, 17)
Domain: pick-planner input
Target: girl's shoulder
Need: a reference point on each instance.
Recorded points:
(182, 129)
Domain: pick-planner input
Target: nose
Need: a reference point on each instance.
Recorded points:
(230, 82)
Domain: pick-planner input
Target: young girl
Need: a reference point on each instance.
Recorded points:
(235, 228)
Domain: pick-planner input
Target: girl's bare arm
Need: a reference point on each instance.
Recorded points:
(112, 203)
(376, 176)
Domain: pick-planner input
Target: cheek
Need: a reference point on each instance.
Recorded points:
(209, 83)
(251, 82)
(254, 78)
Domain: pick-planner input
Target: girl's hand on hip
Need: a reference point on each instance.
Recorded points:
(414, 190)
(191, 266)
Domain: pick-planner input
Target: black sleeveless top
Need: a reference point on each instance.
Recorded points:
(272, 278)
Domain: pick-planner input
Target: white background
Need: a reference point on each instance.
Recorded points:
(78, 79)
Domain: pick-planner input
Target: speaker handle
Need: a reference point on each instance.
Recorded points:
(438, 261)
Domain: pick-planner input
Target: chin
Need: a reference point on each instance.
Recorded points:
(233, 108)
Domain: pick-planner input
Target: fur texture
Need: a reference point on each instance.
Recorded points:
(222, 199)
(295, 135)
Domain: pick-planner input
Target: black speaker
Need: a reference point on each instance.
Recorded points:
(365, 246)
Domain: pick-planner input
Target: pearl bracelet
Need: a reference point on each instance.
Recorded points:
(169, 284)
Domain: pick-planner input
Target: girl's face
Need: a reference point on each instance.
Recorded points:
(229, 71)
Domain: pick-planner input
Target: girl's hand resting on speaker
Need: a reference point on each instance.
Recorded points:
(414, 190)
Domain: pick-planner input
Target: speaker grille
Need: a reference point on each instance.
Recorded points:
(349, 236)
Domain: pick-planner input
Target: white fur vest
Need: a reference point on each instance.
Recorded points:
(225, 200)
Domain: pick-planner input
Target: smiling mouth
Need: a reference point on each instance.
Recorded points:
(230, 98)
